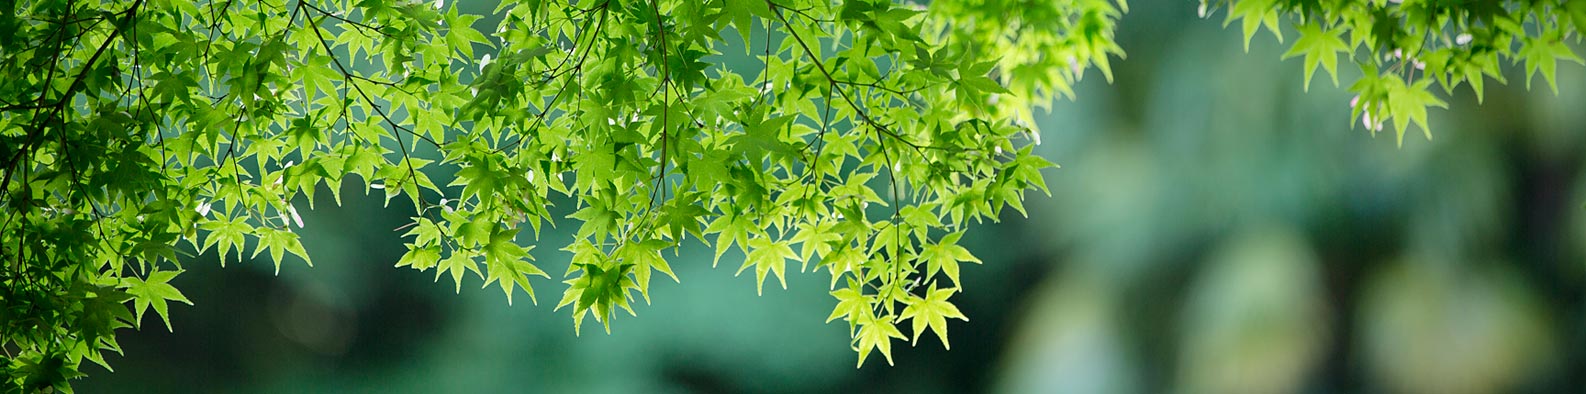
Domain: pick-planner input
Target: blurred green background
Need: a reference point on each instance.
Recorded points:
(1213, 229)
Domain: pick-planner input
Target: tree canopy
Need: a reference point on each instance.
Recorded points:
(862, 140)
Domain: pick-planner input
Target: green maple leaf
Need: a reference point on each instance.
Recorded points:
(278, 242)
(460, 33)
(742, 12)
(646, 259)
(1541, 55)
(225, 233)
(876, 334)
(473, 233)
(1407, 103)
(1320, 47)
(598, 217)
(505, 263)
(478, 181)
(420, 258)
(762, 137)
(840, 262)
(766, 256)
(730, 229)
(599, 291)
(945, 255)
(851, 304)
(932, 312)
(1255, 14)
(815, 239)
(456, 264)
(709, 169)
(681, 217)
(1576, 10)
(154, 291)
(425, 232)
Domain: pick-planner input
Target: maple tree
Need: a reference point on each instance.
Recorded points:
(863, 143)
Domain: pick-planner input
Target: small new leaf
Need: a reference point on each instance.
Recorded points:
(932, 312)
(646, 259)
(1255, 14)
(278, 242)
(154, 291)
(850, 305)
(766, 256)
(599, 291)
(457, 263)
(224, 234)
(876, 333)
(944, 257)
(507, 263)
(1407, 103)
(1541, 55)
(1320, 47)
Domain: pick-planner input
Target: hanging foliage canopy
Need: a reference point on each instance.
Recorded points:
(864, 140)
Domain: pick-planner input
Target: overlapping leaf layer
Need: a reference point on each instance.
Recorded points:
(861, 139)
(1404, 47)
